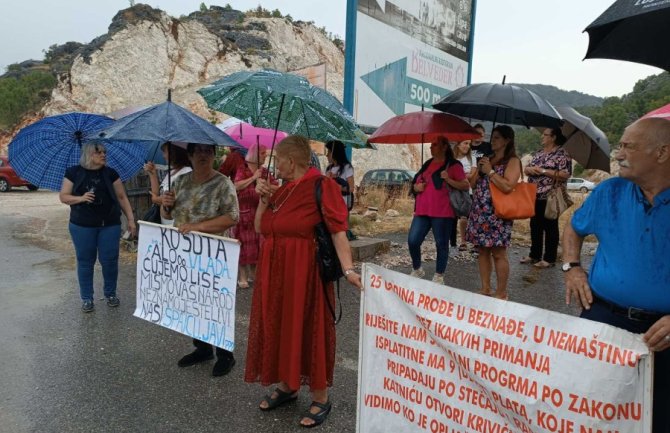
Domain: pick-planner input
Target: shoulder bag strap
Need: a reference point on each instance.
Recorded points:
(336, 318)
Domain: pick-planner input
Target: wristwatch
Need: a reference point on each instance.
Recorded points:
(492, 172)
(567, 266)
(544, 171)
(349, 271)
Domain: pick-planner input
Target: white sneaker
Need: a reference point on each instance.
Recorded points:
(438, 278)
(419, 273)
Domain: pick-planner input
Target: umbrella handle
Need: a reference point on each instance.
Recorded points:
(274, 138)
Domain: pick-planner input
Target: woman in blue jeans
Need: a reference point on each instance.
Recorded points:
(96, 197)
(432, 209)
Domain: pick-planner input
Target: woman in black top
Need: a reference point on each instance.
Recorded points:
(96, 197)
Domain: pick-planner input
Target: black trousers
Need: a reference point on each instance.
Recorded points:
(661, 414)
(543, 235)
(201, 346)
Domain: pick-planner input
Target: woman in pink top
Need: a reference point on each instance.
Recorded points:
(432, 209)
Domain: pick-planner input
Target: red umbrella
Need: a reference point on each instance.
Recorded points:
(663, 112)
(422, 127)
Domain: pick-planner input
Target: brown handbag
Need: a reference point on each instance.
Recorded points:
(518, 204)
(558, 201)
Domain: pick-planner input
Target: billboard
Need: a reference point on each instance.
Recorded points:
(405, 54)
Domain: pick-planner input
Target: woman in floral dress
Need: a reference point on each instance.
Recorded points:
(488, 233)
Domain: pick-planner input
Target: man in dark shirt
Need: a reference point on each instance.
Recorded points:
(480, 147)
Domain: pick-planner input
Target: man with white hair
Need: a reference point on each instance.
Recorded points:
(629, 282)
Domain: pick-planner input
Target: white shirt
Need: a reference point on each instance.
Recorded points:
(346, 173)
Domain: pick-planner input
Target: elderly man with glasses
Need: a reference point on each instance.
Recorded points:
(629, 282)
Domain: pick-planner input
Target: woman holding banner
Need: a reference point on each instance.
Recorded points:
(292, 330)
(203, 200)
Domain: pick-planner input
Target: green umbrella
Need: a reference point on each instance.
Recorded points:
(284, 102)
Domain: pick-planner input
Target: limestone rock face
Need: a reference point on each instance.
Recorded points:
(137, 62)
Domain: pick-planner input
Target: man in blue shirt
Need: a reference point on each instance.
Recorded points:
(629, 282)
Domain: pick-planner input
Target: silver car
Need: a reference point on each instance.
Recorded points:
(579, 184)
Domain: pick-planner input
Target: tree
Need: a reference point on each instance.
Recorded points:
(203, 7)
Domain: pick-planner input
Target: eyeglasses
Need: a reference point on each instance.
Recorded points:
(101, 151)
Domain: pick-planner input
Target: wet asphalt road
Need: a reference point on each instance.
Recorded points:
(65, 371)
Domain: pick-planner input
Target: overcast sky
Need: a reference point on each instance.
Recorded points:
(530, 41)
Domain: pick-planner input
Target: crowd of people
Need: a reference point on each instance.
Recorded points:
(291, 340)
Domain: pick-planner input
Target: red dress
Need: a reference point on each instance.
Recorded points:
(244, 230)
(291, 329)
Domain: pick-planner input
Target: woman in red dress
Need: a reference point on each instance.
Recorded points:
(292, 331)
(244, 231)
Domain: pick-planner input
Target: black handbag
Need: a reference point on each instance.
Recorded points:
(330, 268)
(326, 255)
(153, 215)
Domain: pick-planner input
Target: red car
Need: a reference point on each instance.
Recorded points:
(9, 178)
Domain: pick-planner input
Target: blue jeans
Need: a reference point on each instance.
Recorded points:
(420, 227)
(89, 244)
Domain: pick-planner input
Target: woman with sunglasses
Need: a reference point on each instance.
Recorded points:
(96, 197)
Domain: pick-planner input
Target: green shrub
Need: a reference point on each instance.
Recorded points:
(26, 94)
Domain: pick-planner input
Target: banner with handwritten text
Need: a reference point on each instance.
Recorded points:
(187, 282)
(442, 360)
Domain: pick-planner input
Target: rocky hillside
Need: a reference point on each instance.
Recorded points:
(145, 52)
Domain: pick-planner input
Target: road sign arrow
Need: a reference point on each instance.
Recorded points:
(392, 85)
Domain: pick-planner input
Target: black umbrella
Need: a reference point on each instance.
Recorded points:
(500, 103)
(636, 31)
(586, 143)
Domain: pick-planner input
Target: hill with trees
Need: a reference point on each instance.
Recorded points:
(611, 116)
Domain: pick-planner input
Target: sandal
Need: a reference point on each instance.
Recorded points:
(486, 292)
(243, 284)
(282, 398)
(462, 247)
(318, 417)
(526, 260)
(502, 298)
(543, 265)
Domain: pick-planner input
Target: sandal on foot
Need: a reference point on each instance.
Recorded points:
(486, 292)
(462, 247)
(528, 260)
(543, 264)
(502, 298)
(243, 284)
(318, 417)
(282, 398)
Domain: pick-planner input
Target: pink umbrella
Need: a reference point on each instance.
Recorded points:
(248, 135)
(663, 112)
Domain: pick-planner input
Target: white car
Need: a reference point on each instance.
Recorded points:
(579, 184)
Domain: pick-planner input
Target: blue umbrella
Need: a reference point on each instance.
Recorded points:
(41, 152)
(166, 122)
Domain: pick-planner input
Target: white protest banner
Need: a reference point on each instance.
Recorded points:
(439, 359)
(187, 282)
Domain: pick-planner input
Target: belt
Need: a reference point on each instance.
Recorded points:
(631, 313)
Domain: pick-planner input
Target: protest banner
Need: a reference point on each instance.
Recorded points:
(442, 360)
(186, 282)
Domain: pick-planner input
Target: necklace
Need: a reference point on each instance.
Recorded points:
(274, 206)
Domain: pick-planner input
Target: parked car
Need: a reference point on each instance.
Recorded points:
(579, 184)
(392, 179)
(9, 178)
